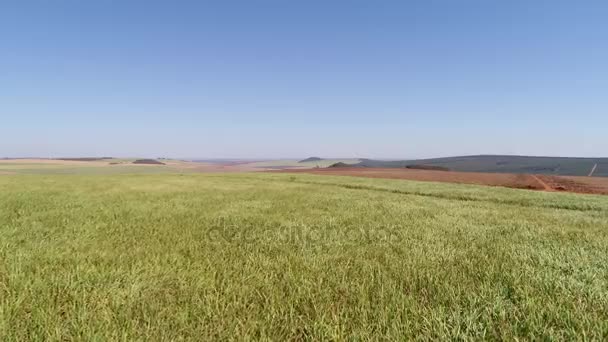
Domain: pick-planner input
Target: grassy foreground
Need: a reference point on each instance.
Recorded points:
(212, 256)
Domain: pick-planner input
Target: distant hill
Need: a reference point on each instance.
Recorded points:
(148, 161)
(311, 159)
(340, 164)
(508, 164)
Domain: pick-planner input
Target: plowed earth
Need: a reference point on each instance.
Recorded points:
(588, 185)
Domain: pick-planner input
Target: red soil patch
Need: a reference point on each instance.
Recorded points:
(544, 184)
(596, 185)
(585, 185)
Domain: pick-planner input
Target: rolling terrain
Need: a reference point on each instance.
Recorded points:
(146, 165)
(117, 166)
(411, 171)
(586, 185)
(277, 256)
(278, 164)
(559, 166)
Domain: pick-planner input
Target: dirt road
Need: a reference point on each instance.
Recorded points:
(545, 186)
(592, 170)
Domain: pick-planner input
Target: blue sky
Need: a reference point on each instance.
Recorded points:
(271, 79)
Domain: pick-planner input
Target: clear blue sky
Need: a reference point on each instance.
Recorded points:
(298, 78)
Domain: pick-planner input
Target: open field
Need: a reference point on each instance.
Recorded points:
(126, 165)
(296, 164)
(589, 185)
(296, 256)
(112, 166)
(593, 185)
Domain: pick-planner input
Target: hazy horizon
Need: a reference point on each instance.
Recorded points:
(202, 159)
(270, 79)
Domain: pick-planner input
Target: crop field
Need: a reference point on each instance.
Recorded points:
(585, 185)
(129, 166)
(109, 166)
(283, 256)
(47, 166)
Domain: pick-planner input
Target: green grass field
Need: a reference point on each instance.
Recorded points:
(284, 257)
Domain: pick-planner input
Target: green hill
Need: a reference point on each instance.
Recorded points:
(311, 159)
(508, 164)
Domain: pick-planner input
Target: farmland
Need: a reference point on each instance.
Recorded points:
(149, 256)
(111, 166)
(135, 165)
(585, 185)
(559, 166)
(295, 164)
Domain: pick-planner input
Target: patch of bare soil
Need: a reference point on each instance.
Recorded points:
(578, 184)
(542, 183)
(496, 179)
(518, 181)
